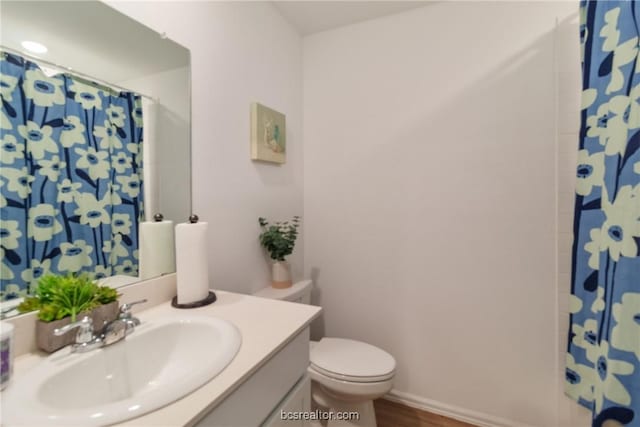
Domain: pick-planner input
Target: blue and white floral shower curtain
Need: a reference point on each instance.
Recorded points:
(603, 359)
(70, 177)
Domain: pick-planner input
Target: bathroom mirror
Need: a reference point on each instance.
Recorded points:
(95, 133)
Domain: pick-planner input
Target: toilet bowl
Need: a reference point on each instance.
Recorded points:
(347, 375)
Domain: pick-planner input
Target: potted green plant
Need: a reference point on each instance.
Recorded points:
(279, 239)
(65, 299)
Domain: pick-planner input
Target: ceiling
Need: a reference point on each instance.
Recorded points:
(314, 16)
(89, 37)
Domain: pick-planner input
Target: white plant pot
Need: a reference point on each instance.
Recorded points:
(280, 275)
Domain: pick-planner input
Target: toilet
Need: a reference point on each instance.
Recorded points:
(346, 375)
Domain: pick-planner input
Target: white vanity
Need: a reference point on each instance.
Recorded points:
(266, 376)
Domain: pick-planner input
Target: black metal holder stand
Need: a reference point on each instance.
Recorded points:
(210, 299)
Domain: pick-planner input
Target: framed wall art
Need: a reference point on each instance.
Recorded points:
(268, 134)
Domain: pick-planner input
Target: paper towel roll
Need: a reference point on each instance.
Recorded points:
(191, 262)
(157, 249)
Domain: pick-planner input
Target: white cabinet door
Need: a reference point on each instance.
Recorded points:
(297, 403)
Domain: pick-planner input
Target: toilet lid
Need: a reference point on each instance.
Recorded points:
(351, 359)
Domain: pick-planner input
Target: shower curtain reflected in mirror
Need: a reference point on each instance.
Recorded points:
(71, 177)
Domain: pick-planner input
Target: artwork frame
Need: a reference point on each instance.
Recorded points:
(268, 134)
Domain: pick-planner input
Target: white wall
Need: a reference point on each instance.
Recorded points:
(430, 201)
(240, 53)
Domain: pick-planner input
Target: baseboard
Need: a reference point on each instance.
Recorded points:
(468, 416)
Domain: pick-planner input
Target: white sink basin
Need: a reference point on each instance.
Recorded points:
(159, 363)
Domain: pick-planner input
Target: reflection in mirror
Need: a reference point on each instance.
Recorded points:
(95, 141)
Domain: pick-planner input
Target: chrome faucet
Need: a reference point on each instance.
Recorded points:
(113, 332)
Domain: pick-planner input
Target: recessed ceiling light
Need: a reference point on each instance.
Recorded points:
(34, 47)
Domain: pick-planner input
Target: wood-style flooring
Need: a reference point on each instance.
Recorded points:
(392, 414)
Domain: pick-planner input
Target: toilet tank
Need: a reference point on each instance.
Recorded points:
(299, 292)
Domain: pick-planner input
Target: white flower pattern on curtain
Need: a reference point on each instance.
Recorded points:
(603, 359)
(70, 179)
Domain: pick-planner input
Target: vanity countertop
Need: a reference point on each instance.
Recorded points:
(266, 326)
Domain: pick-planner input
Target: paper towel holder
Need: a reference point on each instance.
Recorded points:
(211, 297)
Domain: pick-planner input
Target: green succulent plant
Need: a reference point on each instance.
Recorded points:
(58, 297)
(279, 238)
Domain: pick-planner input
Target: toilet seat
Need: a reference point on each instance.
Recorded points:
(351, 378)
(352, 361)
(349, 391)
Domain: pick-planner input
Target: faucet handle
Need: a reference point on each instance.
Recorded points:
(125, 309)
(127, 317)
(85, 330)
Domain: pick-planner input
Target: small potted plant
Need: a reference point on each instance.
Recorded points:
(65, 299)
(279, 240)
